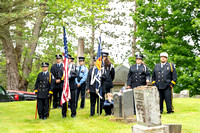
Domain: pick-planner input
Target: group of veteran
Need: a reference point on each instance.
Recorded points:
(50, 84)
(164, 77)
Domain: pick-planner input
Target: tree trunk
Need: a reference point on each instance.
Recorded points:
(27, 64)
(11, 60)
(92, 48)
(134, 37)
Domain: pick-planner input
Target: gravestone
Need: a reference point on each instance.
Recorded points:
(123, 107)
(148, 111)
(117, 105)
(147, 106)
(127, 104)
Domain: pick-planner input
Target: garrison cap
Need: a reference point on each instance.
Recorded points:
(58, 56)
(104, 54)
(81, 59)
(139, 56)
(164, 54)
(45, 64)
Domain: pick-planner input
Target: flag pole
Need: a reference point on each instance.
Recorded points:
(66, 82)
(99, 87)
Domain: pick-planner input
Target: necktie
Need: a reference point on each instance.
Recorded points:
(79, 71)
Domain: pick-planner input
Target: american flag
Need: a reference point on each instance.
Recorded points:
(66, 96)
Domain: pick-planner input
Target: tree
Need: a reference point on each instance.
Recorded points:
(14, 15)
(23, 23)
(165, 25)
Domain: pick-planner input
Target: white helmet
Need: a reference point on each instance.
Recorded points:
(164, 54)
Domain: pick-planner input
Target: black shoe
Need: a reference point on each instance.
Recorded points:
(161, 112)
(64, 116)
(53, 108)
(73, 116)
(170, 112)
(91, 115)
(81, 108)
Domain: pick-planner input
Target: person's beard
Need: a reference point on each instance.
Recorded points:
(162, 61)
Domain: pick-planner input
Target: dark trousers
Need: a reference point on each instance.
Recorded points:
(82, 90)
(57, 97)
(101, 102)
(72, 104)
(43, 107)
(166, 94)
(93, 99)
(108, 109)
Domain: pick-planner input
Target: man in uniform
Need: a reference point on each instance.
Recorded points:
(72, 85)
(91, 88)
(164, 77)
(138, 75)
(44, 89)
(81, 81)
(57, 71)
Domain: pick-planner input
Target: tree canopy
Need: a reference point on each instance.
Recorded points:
(165, 25)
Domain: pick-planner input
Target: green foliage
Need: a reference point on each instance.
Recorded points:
(165, 25)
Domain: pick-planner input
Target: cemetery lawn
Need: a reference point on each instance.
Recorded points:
(19, 117)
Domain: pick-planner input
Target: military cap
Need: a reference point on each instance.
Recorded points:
(139, 56)
(69, 56)
(58, 56)
(81, 58)
(72, 59)
(45, 64)
(94, 58)
(104, 54)
(164, 54)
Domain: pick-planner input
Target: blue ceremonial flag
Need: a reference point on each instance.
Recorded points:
(66, 96)
(98, 70)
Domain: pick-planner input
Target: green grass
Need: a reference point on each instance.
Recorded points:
(19, 117)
